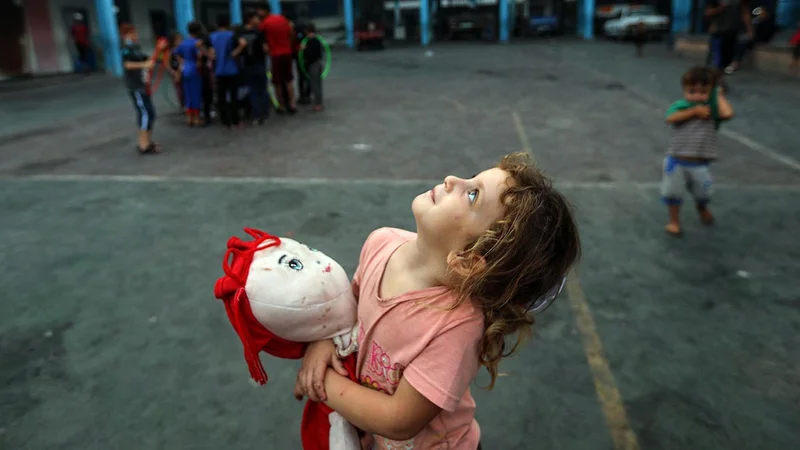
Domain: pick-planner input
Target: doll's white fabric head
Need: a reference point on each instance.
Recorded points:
(279, 295)
(299, 293)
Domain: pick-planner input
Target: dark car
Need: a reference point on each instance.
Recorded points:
(473, 24)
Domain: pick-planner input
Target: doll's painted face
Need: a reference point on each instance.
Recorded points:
(300, 293)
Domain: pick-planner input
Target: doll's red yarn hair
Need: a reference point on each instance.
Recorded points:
(230, 288)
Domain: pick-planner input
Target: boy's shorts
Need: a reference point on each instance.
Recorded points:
(146, 113)
(281, 69)
(678, 176)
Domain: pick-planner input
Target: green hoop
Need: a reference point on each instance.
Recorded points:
(325, 48)
(273, 96)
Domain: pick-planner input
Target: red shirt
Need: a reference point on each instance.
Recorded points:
(80, 33)
(279, 34)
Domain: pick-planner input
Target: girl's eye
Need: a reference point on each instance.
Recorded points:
(473, 195)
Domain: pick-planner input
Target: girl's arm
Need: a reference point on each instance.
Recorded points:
(398, 417)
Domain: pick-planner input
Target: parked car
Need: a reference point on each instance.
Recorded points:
(630, 16)
(543, 26)
(474, 24)
(371, 34)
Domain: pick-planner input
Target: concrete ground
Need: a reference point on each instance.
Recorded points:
(110, 337)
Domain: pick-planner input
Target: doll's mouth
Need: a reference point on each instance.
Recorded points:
(327, 268)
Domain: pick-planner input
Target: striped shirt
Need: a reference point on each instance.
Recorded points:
(695, 138)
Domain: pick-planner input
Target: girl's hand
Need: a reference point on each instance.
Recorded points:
(311, 377)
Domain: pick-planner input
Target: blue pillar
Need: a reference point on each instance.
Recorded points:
(424, 22)
(503, 5)
(236, 12)
(787, 13)
(107, 20)
(348, 23)
(586, 19)
(397, 13)
(681, 15)
(275, 6)
(184, 13)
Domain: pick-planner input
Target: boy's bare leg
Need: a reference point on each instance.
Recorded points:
(674, 225)
(705, 215)
(144, 140)
(291, 95)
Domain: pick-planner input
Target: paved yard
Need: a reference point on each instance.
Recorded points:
(110, 337)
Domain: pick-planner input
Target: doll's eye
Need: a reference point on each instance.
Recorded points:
(294, 263)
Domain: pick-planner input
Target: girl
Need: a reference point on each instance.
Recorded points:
(189, 53)
(436, 304)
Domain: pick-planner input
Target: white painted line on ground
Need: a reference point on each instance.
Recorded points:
(603, 185)
(522, 135)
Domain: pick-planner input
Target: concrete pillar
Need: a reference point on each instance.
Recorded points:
(502, 5)
(184, 13)
(681, 16)
(275, 6)
(348, 23)
(424, 22)
(397, 14)
(586, 19)
(107, 21)
(236, 12)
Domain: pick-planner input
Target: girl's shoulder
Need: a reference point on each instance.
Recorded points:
(382, 240)
(386, 236)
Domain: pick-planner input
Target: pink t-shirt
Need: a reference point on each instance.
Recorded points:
(414, 336)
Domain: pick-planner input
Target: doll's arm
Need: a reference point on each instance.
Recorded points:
(347, 343)
(343, 436)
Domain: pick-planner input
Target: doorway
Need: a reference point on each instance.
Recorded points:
(12, 30)
(161, 23)
(67, 18)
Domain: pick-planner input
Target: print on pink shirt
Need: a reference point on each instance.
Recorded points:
(381, 364)
(379, 367)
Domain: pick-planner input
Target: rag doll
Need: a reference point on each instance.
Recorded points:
(281, 295)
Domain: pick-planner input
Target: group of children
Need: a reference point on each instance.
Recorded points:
(209, 69)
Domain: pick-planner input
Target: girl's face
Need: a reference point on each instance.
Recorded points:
(457, 211)
(132, 37)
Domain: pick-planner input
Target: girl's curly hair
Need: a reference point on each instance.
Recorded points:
(527, 253)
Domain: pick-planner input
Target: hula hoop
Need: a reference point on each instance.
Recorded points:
(273, 96)
(325, 48)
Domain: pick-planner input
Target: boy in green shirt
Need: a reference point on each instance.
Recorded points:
(695, 120)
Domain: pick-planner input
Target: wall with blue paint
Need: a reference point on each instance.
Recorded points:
(681, 16)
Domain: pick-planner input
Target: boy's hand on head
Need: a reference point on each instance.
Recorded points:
(311, 377)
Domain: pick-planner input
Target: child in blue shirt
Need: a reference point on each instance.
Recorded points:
(225, 51)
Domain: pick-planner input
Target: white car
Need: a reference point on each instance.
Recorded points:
(630, 16)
